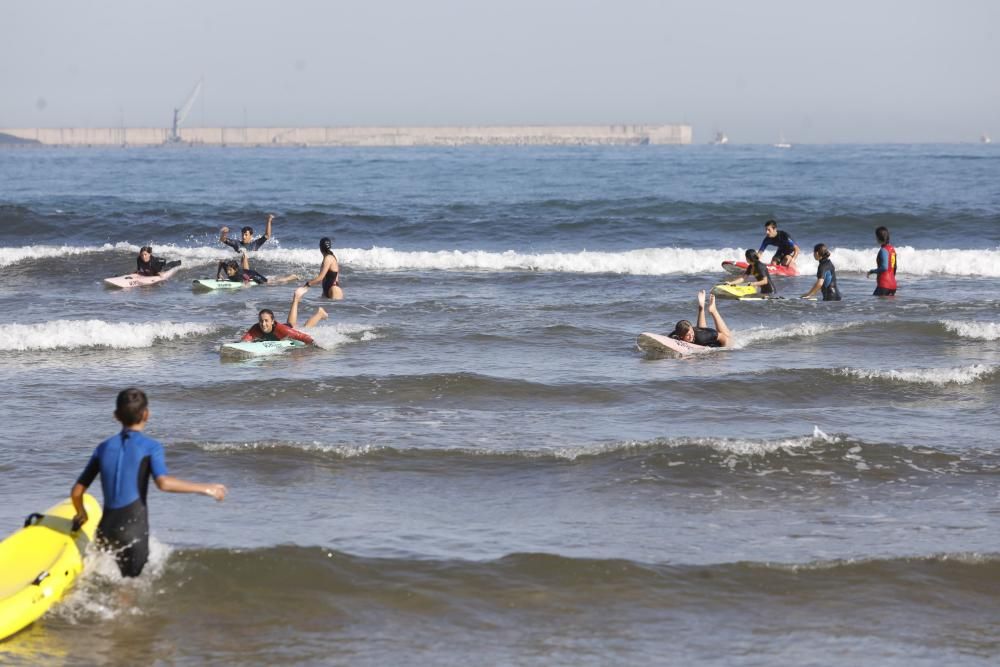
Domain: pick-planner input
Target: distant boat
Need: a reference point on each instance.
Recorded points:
(986, 139)
(781, 142)
(720, 139)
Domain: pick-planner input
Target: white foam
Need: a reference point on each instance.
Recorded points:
(935, 376)
(329, 336)
(75, 334)
(733, 446)
(10, 256)
(803, 330)
(981, 330)
(344, 451)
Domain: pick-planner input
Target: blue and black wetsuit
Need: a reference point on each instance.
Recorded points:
(828, 273)
(125, 463)
(240, 246)
(785, 244)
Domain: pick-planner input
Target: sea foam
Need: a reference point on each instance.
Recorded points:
(75, 334)
(934, 376)
(980, 330)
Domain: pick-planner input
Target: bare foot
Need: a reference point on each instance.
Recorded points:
(322, 313)
(701, 299)
(711, 302)
(300, 292)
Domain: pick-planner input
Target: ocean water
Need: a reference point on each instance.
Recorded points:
(475, 464)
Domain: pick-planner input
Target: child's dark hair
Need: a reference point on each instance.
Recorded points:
(882, 234)
(247, 229)
(681, 329)
(752, 255)
(770, 223)
(130, 407)
(821, 250)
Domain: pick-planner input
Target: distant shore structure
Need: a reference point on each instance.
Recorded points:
(485, 135)
(720, 139)
(985, 139)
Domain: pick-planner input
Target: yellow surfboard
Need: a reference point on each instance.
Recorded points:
(39, 562)
(733, 291)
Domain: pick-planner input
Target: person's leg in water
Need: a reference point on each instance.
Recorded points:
(702, 323)
(293, 311)
(725, 335)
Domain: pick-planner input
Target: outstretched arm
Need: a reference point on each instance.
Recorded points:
(267, 231)
(817, 286)
(323, 269)
(175, 485)
(223, 234)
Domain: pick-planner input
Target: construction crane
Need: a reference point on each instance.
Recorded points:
(181, 113)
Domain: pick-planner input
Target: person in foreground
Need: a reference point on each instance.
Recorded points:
(125, 463)
(329, 271)
(702, 334)
(757, 274)
(886, 269)
(233, 271)
(267, 329)
(147, 265)
(787, 250)
(826, 275)
(247, 242)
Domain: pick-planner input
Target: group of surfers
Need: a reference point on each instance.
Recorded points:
(757, 275)
(266, 328)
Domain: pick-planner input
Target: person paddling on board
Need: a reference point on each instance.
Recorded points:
(267, 329)
(125, 463)
(231, 270)
(702, 334)
(886, 269)
(247, 242)
(756, 274)
(329, 271)
(826, 275)
(147, 265)
(787, 250)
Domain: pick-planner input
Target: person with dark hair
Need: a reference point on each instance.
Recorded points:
(329, 271)
(230, 269)
(787, 250)
(125, 463)
(702, 334)
(247, 242)
(147, 265)
(826, 275)
(757, 274)
(886, 269)
(267, 329)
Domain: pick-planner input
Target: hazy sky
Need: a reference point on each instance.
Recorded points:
(837, 71)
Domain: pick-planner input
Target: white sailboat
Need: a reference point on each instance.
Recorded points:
(781, 141)
(720, 139)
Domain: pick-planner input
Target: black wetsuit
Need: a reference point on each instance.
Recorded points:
(706, 336)
(828, 273)
(155, 266)
(786, 246)
(759, 271)
(239, 246)
(125, 463)
(242, 275)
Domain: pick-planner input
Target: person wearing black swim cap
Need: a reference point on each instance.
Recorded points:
(329, 271)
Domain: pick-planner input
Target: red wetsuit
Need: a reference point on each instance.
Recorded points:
(279, 332)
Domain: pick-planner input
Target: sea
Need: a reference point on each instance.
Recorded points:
(475, 464)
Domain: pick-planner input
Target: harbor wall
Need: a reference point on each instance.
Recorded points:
(523, 135)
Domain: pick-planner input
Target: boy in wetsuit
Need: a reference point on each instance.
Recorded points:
(702, 334)
(886, 269)
(147, 265)
(787, 249)
(125, 463)
(247, 242)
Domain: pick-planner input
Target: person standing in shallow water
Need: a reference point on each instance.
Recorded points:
(826, 275)
(329, 271)
(125, 463)
(886, 269)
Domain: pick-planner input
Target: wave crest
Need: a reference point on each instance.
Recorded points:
(75, 334)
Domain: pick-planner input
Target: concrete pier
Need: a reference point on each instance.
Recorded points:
(487, 135)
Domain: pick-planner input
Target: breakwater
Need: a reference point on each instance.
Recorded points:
(519, 135)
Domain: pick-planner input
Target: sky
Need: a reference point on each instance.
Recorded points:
(849, 71)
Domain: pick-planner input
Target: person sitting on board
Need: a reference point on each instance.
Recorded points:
(231, 270)
(147, 265)
(757, 274)
(247, 242)
(886, 269)
(702, 334)
(787, 250)
(125, 463)
(826, 275)
(329, 271)
(267, 329)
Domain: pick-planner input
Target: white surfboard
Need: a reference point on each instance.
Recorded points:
(259, 348)
(211, 284)
(656, 343)
(136, 280)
